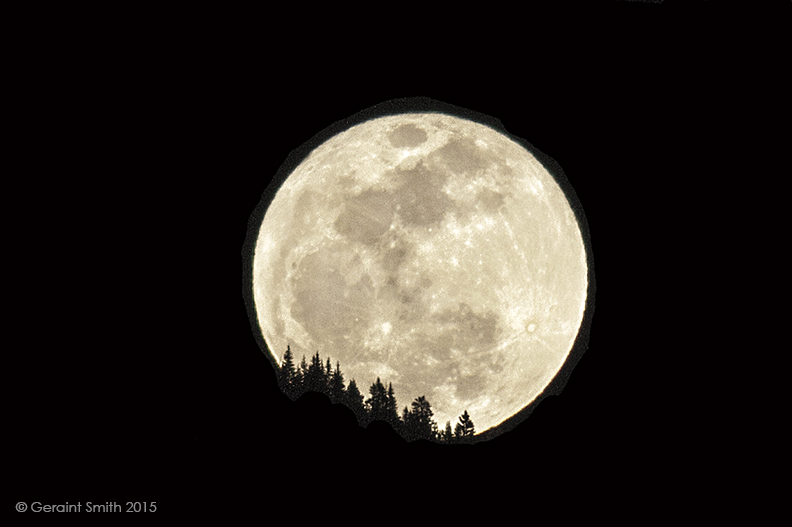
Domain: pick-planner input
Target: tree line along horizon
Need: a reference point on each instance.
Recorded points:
(416, 421)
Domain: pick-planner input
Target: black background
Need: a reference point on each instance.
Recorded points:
(144, 379)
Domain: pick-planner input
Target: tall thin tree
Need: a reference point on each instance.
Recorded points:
(298, 386)
(447, 435)
(315, 377)
(337, 390)
(287, 373)
(418, 422)
(354, 399)
(378, 402)
(328, 376)
(465, 429)
(391, 409)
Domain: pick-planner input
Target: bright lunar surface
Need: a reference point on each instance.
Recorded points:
(432, 252)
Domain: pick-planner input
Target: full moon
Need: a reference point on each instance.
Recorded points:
(431, 251)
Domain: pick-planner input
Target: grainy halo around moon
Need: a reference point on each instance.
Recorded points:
(430, 251)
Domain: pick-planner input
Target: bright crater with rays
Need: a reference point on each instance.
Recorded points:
(432, 252)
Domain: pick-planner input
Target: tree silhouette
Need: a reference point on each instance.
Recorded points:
(415, 423)
(328, 376)
(287, 374)
(391, 409)
(418, 422)
(354, 399)
(447, 435)
(336, 388)
(465, 429)
(315, 376)
(301, 372)
(378, 402)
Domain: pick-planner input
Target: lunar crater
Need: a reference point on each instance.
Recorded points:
(420, 197)
(407, 135)
(461, 155)
(365, 217)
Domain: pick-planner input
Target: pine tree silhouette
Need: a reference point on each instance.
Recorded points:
(354, 399)
(287, 374)
(418, 422)
(301, 373)
(414, 424)
(447, 435)
(378, 402)
(465, 429)
(328, 377)
(336, 386)
(315, 377)
(391, 409)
